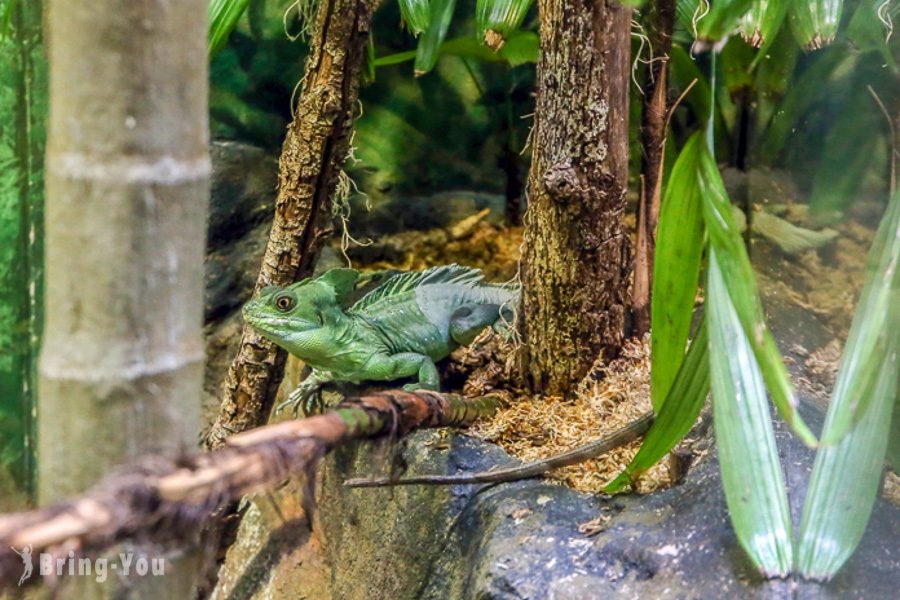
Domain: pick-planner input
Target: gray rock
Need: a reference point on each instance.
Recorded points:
(522, 540)
(392, 214)
(242, 192)
(231, 272)
(241, 206)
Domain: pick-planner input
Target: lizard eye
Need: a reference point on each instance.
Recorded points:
(285, 302)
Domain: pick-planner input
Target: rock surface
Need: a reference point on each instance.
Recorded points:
(523, 540)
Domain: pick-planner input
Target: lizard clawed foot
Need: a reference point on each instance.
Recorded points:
(305, 400)
(313, 404)
(416, 387)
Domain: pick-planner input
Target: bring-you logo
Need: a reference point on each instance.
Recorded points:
(125, 564)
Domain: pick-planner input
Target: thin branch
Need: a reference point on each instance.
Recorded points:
(893, 183)
(606, 444)
(167, 500)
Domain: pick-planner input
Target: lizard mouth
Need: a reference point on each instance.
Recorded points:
(277, 326)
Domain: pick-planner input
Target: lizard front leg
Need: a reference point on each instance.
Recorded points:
(303, 398)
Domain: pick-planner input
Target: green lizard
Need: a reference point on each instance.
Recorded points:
(399, 329)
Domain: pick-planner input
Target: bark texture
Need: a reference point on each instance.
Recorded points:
(315, 149)
(575, 255)
(660, 22)
(126, 197)
(169, 501)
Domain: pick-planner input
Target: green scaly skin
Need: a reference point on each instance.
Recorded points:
(399, 329)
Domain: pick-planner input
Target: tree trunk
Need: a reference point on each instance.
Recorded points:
(127, 186)
(316, 147)
(660, 22)
(23, 109)
(574, 263)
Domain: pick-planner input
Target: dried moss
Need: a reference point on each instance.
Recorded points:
(609, 398)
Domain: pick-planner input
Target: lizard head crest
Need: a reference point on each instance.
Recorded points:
(283, 314)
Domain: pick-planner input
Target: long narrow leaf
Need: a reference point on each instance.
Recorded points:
(800, 96)
(223, 18)
(722, 19)
(725, 238)
(431, 39)
(677, 415)
(748, 458)
(815, 22)
(495, 20)
(762, 22)
(520, 48)
(872, 332)
(845, 481)
(676, 270)
(685, 11)
(416, 14)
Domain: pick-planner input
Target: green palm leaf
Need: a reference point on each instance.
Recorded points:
(416, 14)
(873, 330)
(845, 476)
(223, 18)
(431, 39)
(845, 481)
(495, 20)
(725, 239)
(676, 270)
(815, 22)
(722, 20)
(748, 458)
(761, 24)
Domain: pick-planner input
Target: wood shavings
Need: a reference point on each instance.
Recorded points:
(890, 491)
(823, 363)
(609, 398)
(595, 526)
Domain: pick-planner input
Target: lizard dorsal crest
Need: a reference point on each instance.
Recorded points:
(406, 282)
(342, 281)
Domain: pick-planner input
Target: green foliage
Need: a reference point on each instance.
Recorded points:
(846, 475)
(838, 173)
(722, 20)
(416, 14)
(500, 18)
(748, 458)
(800, 97)
(873, 334)
(23, 108)
(677, 414)
(815, 22)
(521, 48)
(867, 30)
(760, 25)
(428, 50)
(676, 270)
(223, 17)
(253, 77)
(725, 239)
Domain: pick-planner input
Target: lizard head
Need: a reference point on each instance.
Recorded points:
(286, 315)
